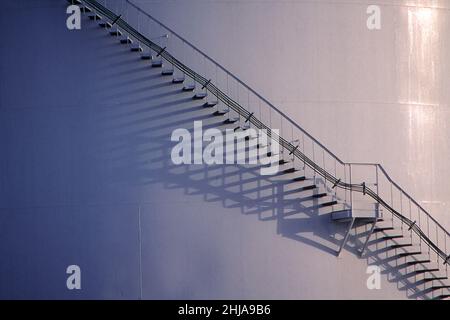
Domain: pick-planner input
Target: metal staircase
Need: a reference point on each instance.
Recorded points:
(358, 194)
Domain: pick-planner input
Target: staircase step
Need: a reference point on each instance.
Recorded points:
(94, 16)
(210, 104)
(282, 161)
(126, 40)
(329, 203)
(157, 63)
(167, 72)
(146, 56)
(189, 87)
(178, 80)
(290, 170)
(221, 112)
(231, 120)
(200, 95)
(115, 32)
(297, 179)
(136, 48)
(105, 24)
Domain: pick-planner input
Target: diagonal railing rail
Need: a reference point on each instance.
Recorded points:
(305, 150)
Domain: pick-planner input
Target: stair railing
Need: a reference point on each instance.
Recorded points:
(304, 150)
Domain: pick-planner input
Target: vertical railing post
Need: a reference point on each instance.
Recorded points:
(377, 187)
(351, 184)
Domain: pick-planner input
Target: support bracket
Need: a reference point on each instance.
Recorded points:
(368, 237)
(350, 226)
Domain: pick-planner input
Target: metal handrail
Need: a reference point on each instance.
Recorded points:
(360, 188)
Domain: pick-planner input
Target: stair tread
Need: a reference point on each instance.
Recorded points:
(231, 120)
(200, 95)
(189, 87)
(220, 112)
(210, 104)
(146, 56)
(167, 72)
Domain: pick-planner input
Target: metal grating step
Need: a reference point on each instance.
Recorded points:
(231, 120)
(177, 80)
(210, 104)
(157, 64)
(167, 72)
(200, 95)
(187, 88)
(290, 170)
(115, 32)
(105, 24)
(94, 16)
(126, 40)
(146, 56)
(136, 49)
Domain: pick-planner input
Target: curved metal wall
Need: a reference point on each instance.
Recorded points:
(85, 128)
